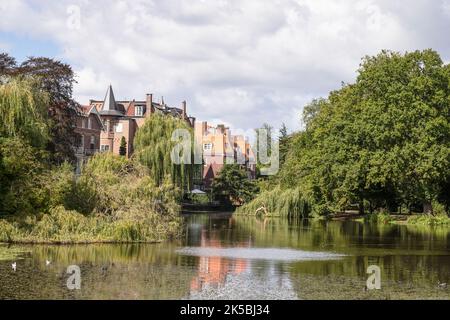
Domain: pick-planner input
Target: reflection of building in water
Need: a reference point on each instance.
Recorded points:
(213, 271)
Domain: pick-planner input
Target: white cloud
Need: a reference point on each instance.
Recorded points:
(241, 62)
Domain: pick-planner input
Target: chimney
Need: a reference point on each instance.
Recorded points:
(149, 105)
(184, 110)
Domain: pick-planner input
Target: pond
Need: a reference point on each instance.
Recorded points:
(231, 257)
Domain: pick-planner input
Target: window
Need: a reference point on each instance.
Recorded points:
(89, 123)
(92, 142)
(83, 123)
(119, 128)
(207, 146)
(104, 148)
(139, 111)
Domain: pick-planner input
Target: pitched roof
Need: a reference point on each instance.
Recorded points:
(109, 104)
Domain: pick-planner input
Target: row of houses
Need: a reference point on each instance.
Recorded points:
(103, 124)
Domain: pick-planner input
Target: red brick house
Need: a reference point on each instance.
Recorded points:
(88, 129)
(124, 118)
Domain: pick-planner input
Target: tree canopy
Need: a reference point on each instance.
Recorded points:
(381, 142)
(153, 147)
(57, 80)
(233, 186)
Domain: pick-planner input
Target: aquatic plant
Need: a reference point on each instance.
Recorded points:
(427, 220)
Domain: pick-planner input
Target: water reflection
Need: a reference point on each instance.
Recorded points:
(212, 269)
(227, 257)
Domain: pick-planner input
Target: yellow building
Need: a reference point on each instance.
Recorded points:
(220, 147)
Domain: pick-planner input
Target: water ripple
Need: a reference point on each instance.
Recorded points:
(259, 254)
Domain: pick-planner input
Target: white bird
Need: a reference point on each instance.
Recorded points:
(442, 285)
(47, 262)
(14, 266)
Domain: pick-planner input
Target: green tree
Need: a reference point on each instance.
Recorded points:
(232, 186)
(123, 147)
(56, 79)
(153, 148)
(283, 140)
(381, 142)
(23, 112)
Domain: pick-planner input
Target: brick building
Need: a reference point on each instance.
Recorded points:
(221, 147)
(124, 118)
(89, 127)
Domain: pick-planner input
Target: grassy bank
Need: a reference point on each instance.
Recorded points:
(114, 200)
(61, 226)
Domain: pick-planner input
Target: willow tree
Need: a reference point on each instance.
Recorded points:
(23, 137)
(23, 112)
(153, 148)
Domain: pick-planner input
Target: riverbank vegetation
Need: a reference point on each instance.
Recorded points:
(115, 199)
(381, 144)
(232, 186)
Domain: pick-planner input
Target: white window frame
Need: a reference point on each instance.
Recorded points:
(207, 146)
(118, 128)
(139, 113)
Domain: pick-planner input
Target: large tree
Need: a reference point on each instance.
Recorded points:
(232, 185)
(153, 147)
(57, 80)
(383, 141)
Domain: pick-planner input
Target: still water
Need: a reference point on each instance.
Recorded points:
(231, 257)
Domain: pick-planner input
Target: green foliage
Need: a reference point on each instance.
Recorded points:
(114, 200)
(56, 79)
(198, 199)
(233, 186)
(381, 142)
(382, 217)
(123, 147)
(153, 147)
(276, 202)
(426, 220)
(20, 168)
(283, 142)
(65, 226)
(23, 112)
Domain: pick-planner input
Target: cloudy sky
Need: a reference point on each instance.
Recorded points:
(241, 62)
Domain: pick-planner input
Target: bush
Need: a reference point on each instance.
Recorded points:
(382, 217)
(114, 200)
(427, 220)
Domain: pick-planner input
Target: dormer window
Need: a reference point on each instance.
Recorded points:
(139, 111)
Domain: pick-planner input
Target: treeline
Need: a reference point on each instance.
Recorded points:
(379, 144)
(42, 200)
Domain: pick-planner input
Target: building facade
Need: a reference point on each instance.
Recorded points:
(88, 129)
(124, 118)
(221, 147)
